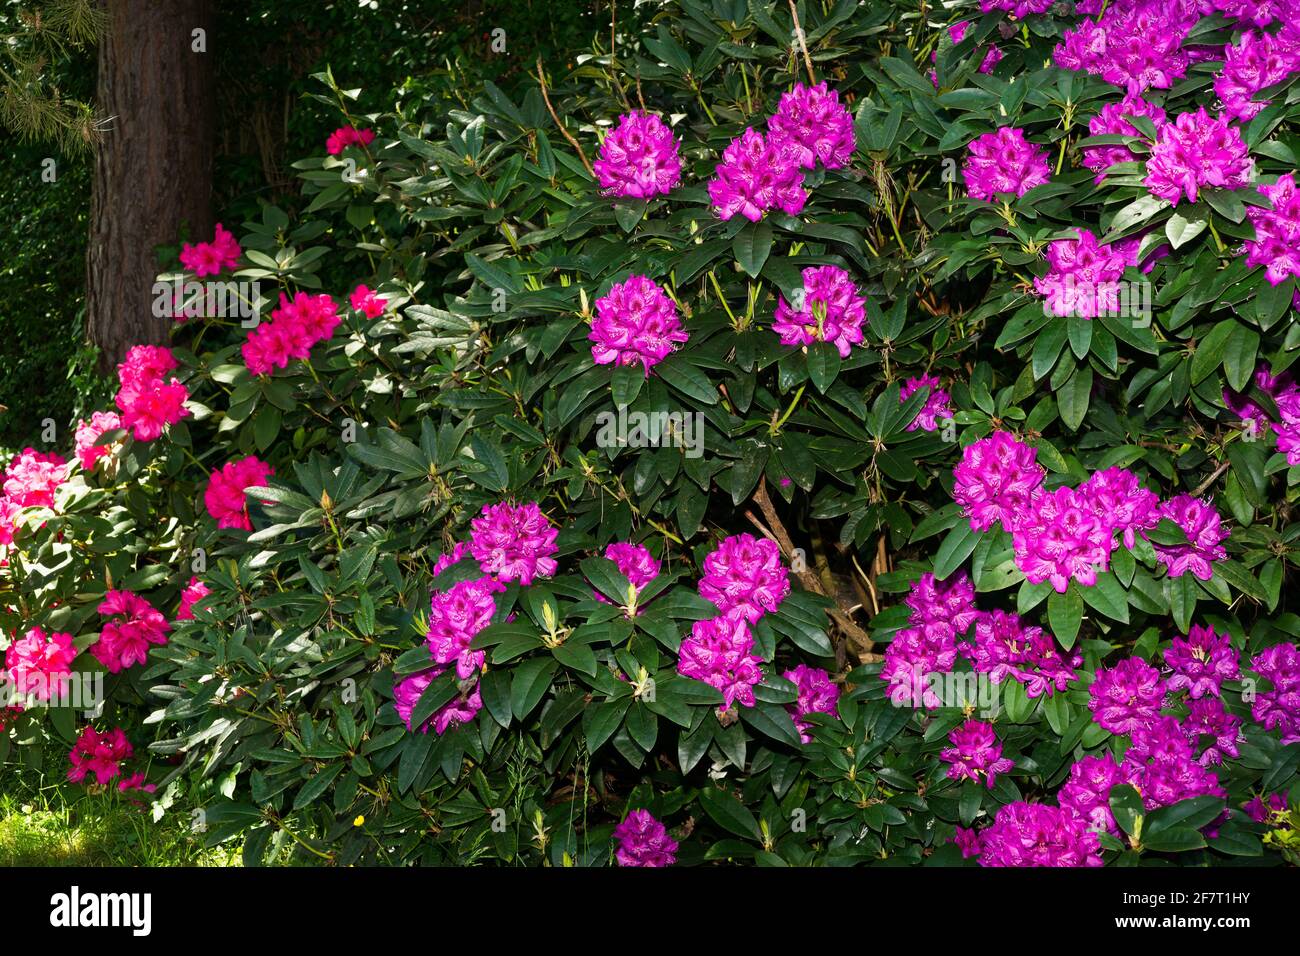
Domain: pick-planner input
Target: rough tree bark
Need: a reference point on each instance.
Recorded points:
(153, 170)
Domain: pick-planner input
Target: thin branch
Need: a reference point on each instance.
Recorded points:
(1214, 476)
(541, 78)
(798, 32)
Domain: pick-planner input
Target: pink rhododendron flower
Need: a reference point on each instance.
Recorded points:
(39, 664)
(88, 432)
(1113, 120)
(1087, 792)
(1258, 811)
(968, 841)
(513, 542)
(32, 477)
(1127, 697)
(367, 302)
(1166, 766)
(1196, 151)
(346, 136)
(1084, 279)
(912, 657)
(639, 159)
(635, 562)
(817, 695)
(831, 311)
(1004, 162)
(212, 258)
(1033, 834)
(1017, 8)
(950, 602)
(718, 652)
(1060, 538)
(100, 754)
(137, 782)
(1135, 46)
(455, 616)
(996, 479)
(1121, 503)
(461, 709)
(644, 841)
(192, 592)
(975, 753)
(1205, 533)
(295, 327)
(1201, 662)
(1256, 62)
(149, 402)
(758, 174)
(1259, 12)
(1002, 646)
(937, 407)
(636, 321)
(812, 118)
(1278, 706)
(133, 625)
(1277, 231)
(454, 556)
(224, 496)
(744, 577)
(1208, 720)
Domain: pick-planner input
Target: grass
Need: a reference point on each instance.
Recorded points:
(44, 822)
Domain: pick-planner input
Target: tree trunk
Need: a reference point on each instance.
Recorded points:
(153, 170)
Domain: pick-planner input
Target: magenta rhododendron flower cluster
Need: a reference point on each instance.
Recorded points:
(758, 174)
(719, 652)
(1062, 537)
(1278, 706)
(1004, 162)
(636, 321)
(87, 434)
(101, 754)
(39, 664)
(1003, 646)
(133, 625)
(513, 542)
(1017, 8)
(639, 159)
(831, 311)
(744, 577)
(634, 561)
(817, 695)
(644, 841)
(212, 258)
(1255, 62)
(1286, 396)
(1084, 276)
(1205, 535)
(148, 400)
(367, 302)
(294, 328)
(1134, 44)
(32, 478)
(1201, 662)
(819, 127)
(1196, 151)
(1127, 696)
(996, 479)
(346, 136)
(1114, 120)
(224, 497)
(190, 595)
(940, 612)
(1277, 231)
(975, 754)
(937, 407)
(1035, 834)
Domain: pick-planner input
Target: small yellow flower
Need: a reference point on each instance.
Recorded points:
(359, 820)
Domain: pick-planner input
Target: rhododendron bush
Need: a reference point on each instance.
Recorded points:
(865, 441)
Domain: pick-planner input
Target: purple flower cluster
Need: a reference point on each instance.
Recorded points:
(1127, 697)
(1259, 12)
(940, 613)
(1194, 151)
(1201, 662)
(1286, 396)
(1278, 707)
(1276, 245)
(1068, 534)
(1087, 792)
(831, 311)
(744, 577)
(636, 321)
(513, 542)
(1163, 759)
(639, 159)
(1002, 646)
(1017, 8)
(1004, 162)
(1034, 834)
(1135, 45)
(817, 695)
(455, 616)
(817, 124)
(1084, 278)
(975, 754)
(644, 841)
(1113, 120)
(635, 562)
(1257, 61)
(937, 407)
(719, 652)
(459, 710)
(758, 174)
